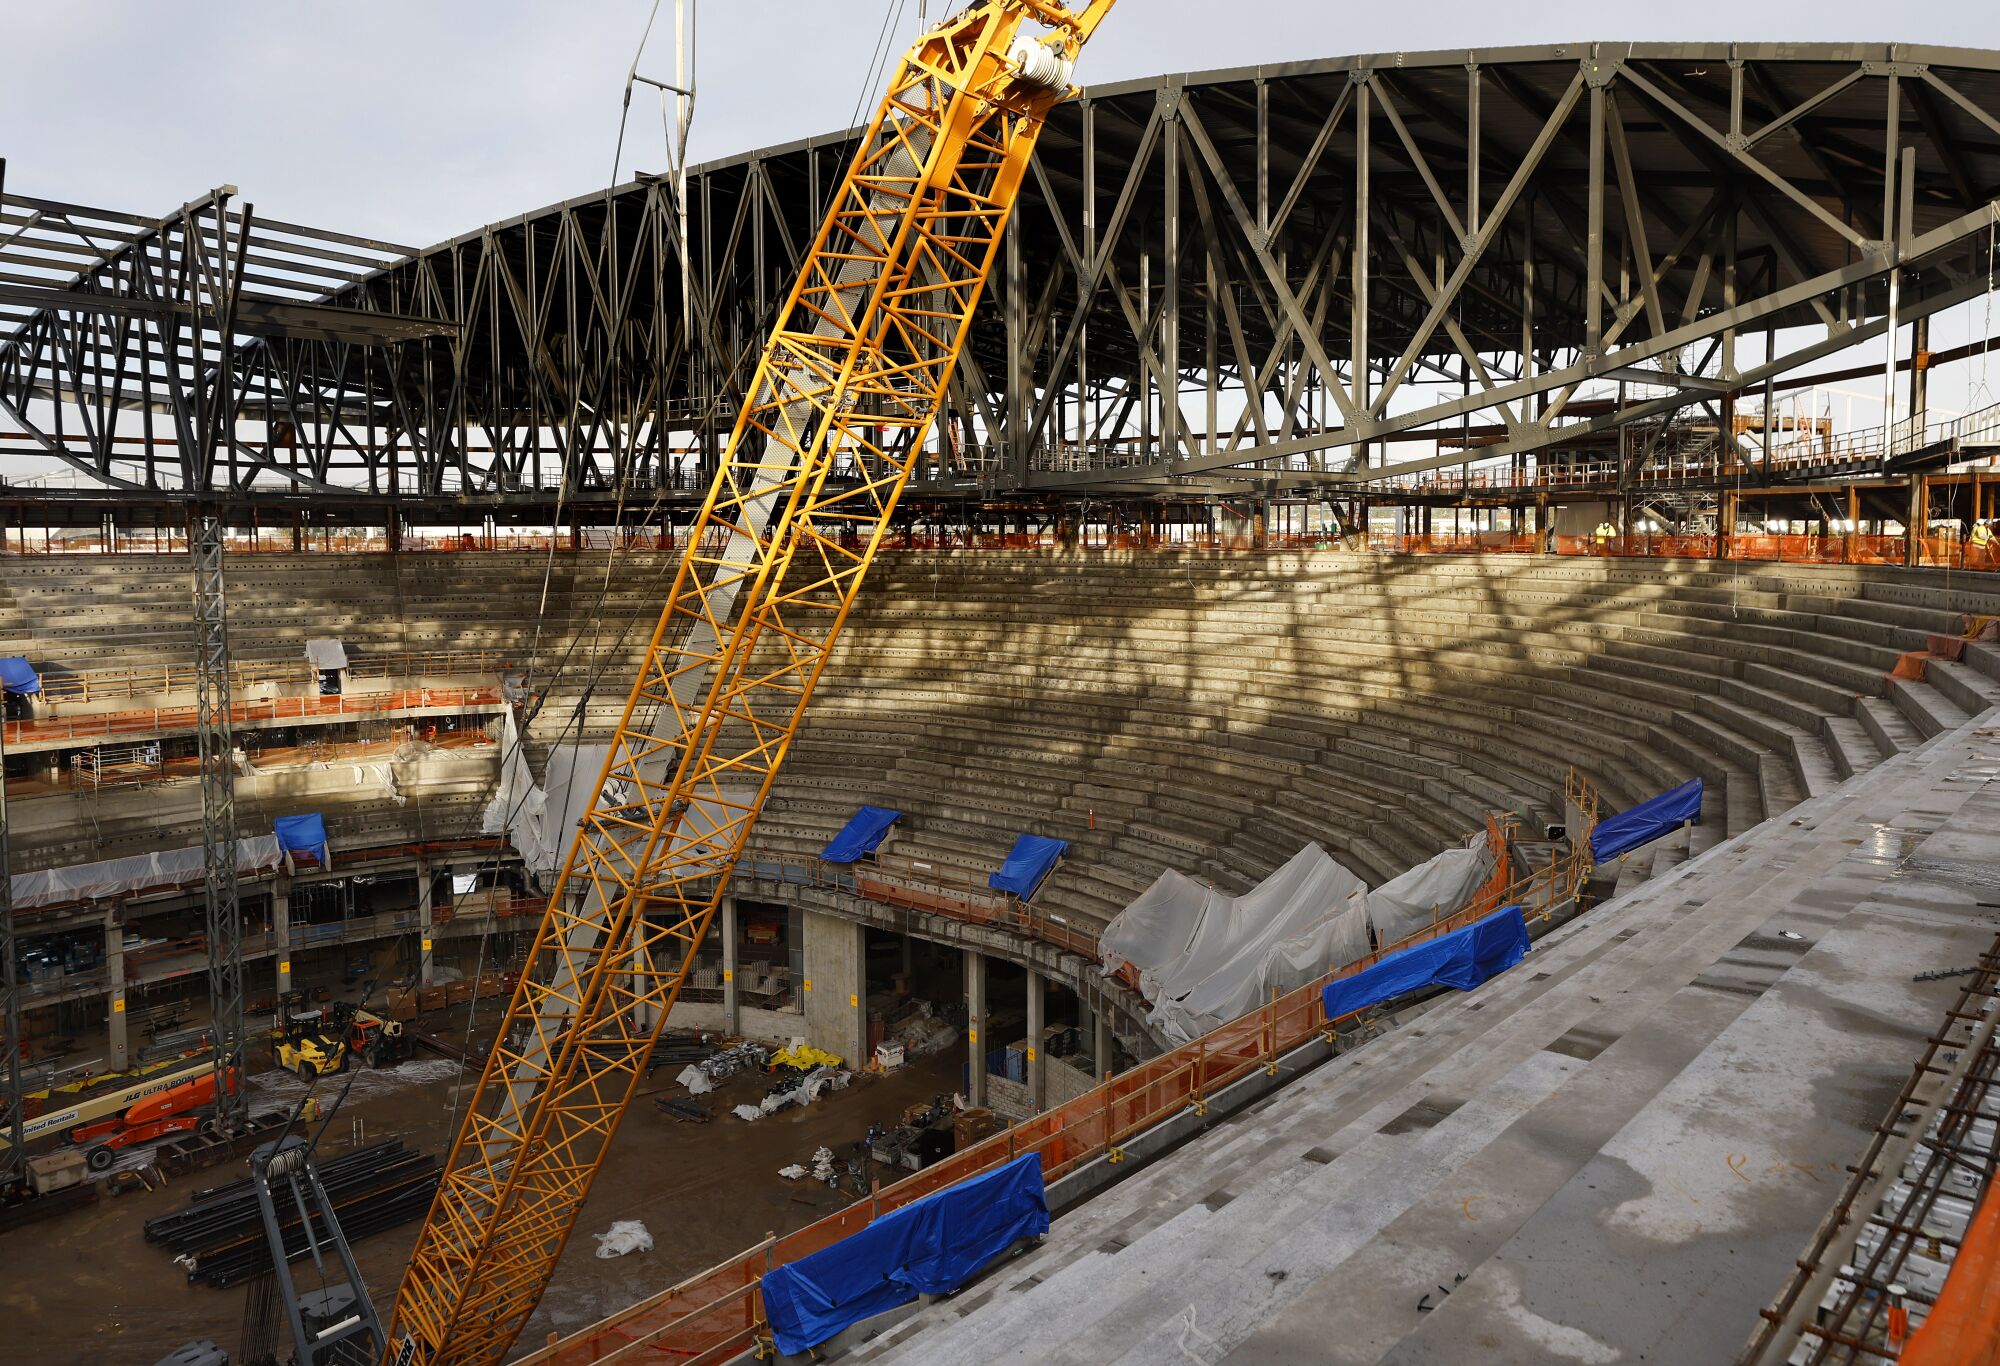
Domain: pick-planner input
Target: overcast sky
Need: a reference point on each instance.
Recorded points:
(417, 120)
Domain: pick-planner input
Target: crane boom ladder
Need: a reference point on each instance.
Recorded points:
(850, 381)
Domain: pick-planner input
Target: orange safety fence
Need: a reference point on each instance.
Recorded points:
(718, 1313)
(1963, 1328)
(154, 719)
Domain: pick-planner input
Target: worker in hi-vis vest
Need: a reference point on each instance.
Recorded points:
(1604, 535)
(1979, 550)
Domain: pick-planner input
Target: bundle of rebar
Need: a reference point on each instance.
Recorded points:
(221, 1234)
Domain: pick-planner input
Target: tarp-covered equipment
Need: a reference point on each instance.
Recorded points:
(931, 1246)
(303, 835)
(1028, 862)
(863, 834)
(1646, 822)
(1429, 892)
(1463, 959)
(18, 675)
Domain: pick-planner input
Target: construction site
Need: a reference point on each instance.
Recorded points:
(1340, 712)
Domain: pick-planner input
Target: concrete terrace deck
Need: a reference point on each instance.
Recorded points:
(1620, 1146)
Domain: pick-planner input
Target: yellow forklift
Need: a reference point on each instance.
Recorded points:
(309, 1044)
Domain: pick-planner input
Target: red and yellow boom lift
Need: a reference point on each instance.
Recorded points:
(850, 382)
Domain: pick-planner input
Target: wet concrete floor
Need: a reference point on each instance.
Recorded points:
(87, 1288)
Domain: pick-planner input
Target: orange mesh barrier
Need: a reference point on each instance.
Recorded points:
(718, 1313)
(1964, 1326)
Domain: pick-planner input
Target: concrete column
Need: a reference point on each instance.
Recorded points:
(975, 1028)
(836, 986)
(1038, 1087)
(118, 1051)
(426, 964)
(1101, 1044)
(281, 932)
(732, 1009)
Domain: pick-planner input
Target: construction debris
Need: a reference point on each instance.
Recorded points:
(624, 1235)
(683, 1109)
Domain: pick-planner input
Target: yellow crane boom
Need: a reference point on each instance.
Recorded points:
(850, 381)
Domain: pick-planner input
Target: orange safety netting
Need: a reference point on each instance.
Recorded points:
(1964, 1325)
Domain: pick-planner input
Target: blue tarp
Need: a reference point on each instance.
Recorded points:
(1028, 862)
(928, 1247)
(863, 831)
(302, 835)
(18, 675)
(1646, 822)
(1463, 959)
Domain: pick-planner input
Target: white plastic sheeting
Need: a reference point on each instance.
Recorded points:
(540, 819)
(1432, 889)
(326, 654)
(1157, 928)
(117, 876)
(624, 1235)
(1303, 919)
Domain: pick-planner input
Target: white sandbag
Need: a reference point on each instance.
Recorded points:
(747, 1112)
(1430, 891)
(626, 1235)
(695, 1080)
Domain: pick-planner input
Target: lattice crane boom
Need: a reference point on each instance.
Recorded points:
(850, 381)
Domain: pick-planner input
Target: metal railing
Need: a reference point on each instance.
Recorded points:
(150, 720)
(97, 685)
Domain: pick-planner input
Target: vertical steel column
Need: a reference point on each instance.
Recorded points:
(218, 821)
(13, 1162)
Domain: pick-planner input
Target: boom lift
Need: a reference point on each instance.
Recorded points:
(850, 381)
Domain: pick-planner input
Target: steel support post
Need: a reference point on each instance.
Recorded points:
(218, 822)
(427, 950)
(12, 1111)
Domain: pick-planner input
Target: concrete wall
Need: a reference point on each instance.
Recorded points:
(769, 1026)
(835, 986)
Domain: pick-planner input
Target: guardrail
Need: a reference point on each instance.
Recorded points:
(150, 720)
(921, 885)
(100, 684)
(716, 1314)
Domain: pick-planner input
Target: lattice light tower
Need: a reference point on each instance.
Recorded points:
(218, 823)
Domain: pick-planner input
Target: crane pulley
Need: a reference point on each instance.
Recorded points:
(850, 381)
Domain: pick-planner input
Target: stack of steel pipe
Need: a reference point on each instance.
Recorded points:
(221, 1233)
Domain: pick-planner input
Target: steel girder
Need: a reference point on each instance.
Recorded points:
(1232, 279)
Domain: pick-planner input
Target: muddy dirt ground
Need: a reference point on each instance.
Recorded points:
(87, 1288)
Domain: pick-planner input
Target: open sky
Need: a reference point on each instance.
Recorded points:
(417, 120)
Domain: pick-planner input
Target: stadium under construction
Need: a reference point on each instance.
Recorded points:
(1346, 711)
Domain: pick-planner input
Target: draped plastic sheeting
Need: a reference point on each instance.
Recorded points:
(1646, 822)
(1027, 863)
(326, 654)
(864, 832)
(1462, 959)
(931, 1246)
(18, 675)
(1157, 928)
(118, 876)
(1430, 891)
(1302, 920)
(540, 819)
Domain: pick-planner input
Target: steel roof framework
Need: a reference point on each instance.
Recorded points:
(1234, 280)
